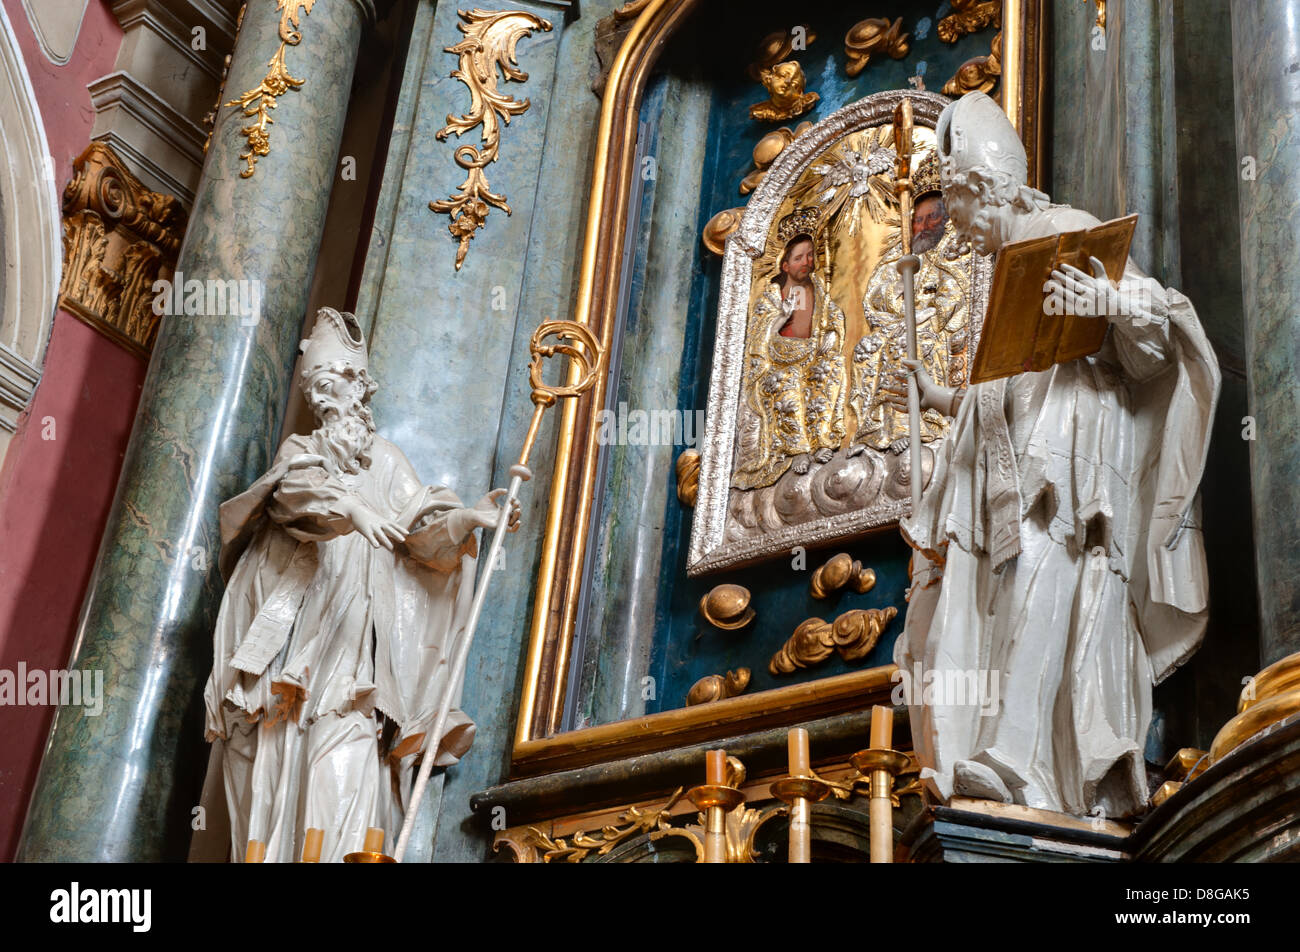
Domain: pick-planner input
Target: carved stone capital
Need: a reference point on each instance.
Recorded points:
(118, 239)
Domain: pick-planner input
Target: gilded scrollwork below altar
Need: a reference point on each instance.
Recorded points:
(804, 445)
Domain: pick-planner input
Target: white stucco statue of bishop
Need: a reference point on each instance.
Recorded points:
(349, 583)
(1059, 562)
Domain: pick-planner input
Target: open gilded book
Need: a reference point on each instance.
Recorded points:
(1019, 336)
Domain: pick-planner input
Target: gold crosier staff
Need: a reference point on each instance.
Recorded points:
(907, 268)
(587, 358)
(881, 763)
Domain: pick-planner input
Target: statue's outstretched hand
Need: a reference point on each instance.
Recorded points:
(487, 511)
(933, 396)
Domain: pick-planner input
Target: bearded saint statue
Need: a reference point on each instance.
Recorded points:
(1059, 560)
(349, 585)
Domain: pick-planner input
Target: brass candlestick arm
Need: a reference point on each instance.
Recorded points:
(789, 789)
(800, 792)
(881, 765)
(715, 801)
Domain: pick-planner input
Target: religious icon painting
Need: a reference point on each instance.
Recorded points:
(803, 446)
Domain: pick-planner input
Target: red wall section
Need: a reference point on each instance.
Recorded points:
(61, 90)
(55, 494)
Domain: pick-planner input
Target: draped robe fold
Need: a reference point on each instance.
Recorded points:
(1067, 567)
(319, 630)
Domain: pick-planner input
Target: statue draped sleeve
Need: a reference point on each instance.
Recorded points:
(1112, 445)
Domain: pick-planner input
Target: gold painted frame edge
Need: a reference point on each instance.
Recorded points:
(537, 748)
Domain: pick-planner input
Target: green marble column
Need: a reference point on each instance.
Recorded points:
(1265, 40)
(123, 786)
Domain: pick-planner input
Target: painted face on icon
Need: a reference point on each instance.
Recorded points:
(929, 218)
(798, 259)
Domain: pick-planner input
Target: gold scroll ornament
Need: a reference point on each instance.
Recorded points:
(839, 571)
(980, 73)
(717, 687)
(489, 44)
(853, 635)
(874, 37)
(257, 103)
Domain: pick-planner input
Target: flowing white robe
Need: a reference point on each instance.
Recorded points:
(1067, 567)
(318, 631)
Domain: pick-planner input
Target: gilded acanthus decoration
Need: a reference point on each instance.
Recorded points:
(534, 845)
(852, 634)
(874, 37)
(979, 74)
(257, 103)
(118, 239)
(969, 16)
(608, 37)
(742, 822)
(489, 45)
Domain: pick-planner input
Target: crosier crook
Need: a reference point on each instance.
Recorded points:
(907, 267)
(588, 359)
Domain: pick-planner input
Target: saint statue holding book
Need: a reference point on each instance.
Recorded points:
(1057, 546)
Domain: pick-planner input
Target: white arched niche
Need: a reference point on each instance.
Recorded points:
(30, 234)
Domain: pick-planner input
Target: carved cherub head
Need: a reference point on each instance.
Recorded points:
(784, 83)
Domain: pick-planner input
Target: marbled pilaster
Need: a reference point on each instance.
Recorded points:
(450, 348)
(1265, 50)
(122, 786)
(626, 564)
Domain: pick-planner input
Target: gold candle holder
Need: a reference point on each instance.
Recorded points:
(256, 852)
(881, 764)
(715, 799)
(800, 790)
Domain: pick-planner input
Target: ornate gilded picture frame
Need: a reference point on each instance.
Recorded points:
(802, 446)
(541, 745)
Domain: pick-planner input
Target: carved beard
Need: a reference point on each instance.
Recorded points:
(981, 229)
(347, 439)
